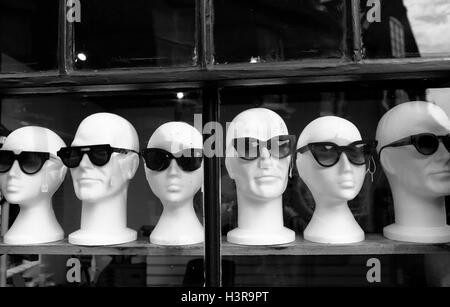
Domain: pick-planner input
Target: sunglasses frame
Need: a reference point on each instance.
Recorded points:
(414, 139)
(292, 143)
(86, 149)
(372, 144)
(43, 155)
(177, 156)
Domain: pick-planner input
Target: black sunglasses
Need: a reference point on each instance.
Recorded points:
(425, 143)
(30, 162)
(280, 146)
(98, 154)
(328, 154)
(158, 159)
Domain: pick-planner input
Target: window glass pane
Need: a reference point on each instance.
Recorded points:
(266, 31)
(372, 208)
(405, 28)
(137, 33)
(155, 265)
(28, 35)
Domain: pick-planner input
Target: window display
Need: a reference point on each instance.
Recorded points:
(30, 174)
(414, 153)
(332, 162)
(174, 172)
(261, 176)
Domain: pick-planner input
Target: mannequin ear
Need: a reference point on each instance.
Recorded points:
(298, 162)
(129, 165)
(386, 163)
(228, 167)
(62, 173)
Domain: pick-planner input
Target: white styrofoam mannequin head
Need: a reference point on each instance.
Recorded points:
(332, 186)
(418, 182)
(341, 182)
(103, 189)
(112, 178)
(260, 183)
(262, 124)
(178, 225)
(36, 222)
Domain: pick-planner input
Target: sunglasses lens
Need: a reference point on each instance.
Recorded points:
(280, 147)
(31, 163)
(71, 157)
(6, 160)
(99, 156)
(156, 159)
(427, 144)
(326, 155)
(190, 160)
(357, 154)
(246, 148)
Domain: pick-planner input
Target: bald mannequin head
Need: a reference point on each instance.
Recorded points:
(24, 189)
(93, 183)
(174, 185)
(342, 181)
(252, 177)
(404, 166)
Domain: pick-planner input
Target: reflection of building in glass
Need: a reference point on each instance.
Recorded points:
(397, 38)
(393, 36)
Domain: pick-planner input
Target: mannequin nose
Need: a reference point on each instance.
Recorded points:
(173, 168)
(265, 160)
(344, 163)
(15, 169)
(85, 162)
(442, 154)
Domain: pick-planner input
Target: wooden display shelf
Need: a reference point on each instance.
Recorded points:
(375, 244)
(139, 247)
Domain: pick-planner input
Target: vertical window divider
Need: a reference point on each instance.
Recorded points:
(211, 199)
(205, 33)
(65, 40)
(357, 40)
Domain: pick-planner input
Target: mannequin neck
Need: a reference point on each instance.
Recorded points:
(178, 211)
(259, 214)
(105, 215)
(38, 212)
(332, 211)
(414, 210)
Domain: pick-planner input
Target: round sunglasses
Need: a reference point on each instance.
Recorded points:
(158, 159)
(30, 162)
(327, 154)
(425, 143)
(99, 155)
(249, 148)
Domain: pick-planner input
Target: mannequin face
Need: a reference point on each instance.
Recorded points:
(405, 167)
(267, 176)
(420, 174)
(27, 190)
(96, 183)
(341, 182)
(174, 185)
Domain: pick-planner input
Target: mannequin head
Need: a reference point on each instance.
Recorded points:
(24, 189)
(98, 183)
(340, 182)
(174, 185)
(265, 177)
(405, 168)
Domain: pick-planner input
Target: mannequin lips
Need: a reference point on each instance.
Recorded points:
(87, 180)
(12, 188)
(266, 178)
(347, 183)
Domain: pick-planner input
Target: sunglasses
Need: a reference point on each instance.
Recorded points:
(98, 154)
(30, 162)
(328, 154)
(280, 147)
(425, 143)
(158, 159)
